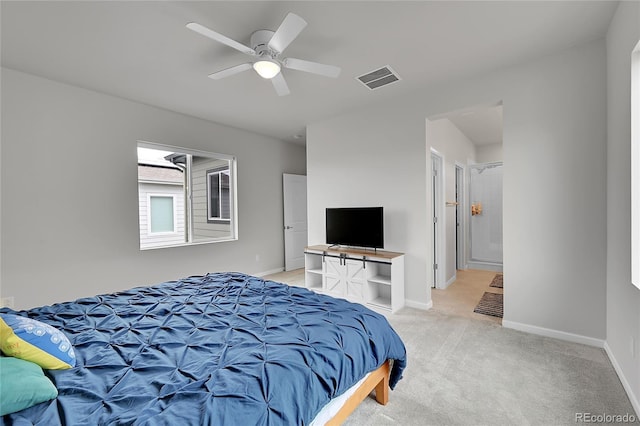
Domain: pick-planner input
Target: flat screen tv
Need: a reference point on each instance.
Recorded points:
(355, 226)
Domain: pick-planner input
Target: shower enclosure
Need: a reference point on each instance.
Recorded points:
(485, 197)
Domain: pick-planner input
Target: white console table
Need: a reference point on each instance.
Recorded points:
(371, 277)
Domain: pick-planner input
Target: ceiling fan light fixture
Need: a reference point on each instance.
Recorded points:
(267, 68)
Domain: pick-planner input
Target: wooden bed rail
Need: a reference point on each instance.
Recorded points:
(378, 380)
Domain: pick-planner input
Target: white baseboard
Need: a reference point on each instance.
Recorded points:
(556, 334)
(273, 271)
(625, 383)
(418, 305)
(448, 283)
(485, 266)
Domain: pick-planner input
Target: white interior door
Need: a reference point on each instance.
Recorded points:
(438, 223)
(295, 220)
(460, 219)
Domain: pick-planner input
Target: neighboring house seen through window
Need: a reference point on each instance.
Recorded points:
(161, 214)
(218, 194)
(185, 196)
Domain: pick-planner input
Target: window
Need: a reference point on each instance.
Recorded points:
(635, 166)
(161, 214)
(218, 195)
(185, 196)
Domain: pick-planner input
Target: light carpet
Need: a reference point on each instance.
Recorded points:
(466, 372)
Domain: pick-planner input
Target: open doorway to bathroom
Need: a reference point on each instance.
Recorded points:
(469, 230)
(485, 225)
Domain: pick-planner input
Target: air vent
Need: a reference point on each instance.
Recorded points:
(378, 78)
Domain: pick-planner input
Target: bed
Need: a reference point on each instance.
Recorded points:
(221, 349)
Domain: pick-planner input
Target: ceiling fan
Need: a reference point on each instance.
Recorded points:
(266, 47)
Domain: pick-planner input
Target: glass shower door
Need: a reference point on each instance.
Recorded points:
(485, 196)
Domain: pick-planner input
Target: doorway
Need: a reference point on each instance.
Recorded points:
(437, 216)
(458, 141)
(295, 220)
(460, 222)
(485, 226)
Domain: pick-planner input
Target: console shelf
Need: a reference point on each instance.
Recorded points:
(372, 277)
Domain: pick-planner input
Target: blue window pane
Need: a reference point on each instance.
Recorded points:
(161, 214)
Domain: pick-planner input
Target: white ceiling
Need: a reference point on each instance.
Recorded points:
(142, 51)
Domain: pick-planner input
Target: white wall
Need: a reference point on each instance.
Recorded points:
(489, 153)
(69, 193)
(355, 160)
(554, 182)
(623, 299)
(454, 147)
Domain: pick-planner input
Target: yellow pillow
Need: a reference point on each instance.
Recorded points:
(35, 341)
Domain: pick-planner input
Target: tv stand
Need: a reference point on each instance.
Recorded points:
(347, 248)
(373, 278)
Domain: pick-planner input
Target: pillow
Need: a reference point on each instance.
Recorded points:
(34, 341)
(22, 385)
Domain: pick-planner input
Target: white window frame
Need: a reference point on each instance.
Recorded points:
(220, 171)
(635, 166)
(233, 187)
(175, 214)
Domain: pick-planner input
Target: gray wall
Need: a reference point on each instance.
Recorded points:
(70, 199)
(374, 158)
(555, 161)
(623, 299)
(489, 153)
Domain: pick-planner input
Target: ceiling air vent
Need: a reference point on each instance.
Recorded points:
(378, 78)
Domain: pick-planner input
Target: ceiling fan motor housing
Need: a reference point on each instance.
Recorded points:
(260, 43)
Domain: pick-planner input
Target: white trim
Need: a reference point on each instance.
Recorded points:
(485, 266)
(556, 334)
(625, 383)
(449, 282)
(461, 209)
(635, 166)
(195, 243)
(159, 182)
(188, 207)
(270, 272)
(181, 150)
(439, 256)
(418, 305)
(226, 170)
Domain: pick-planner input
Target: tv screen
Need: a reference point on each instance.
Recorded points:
(355, 226)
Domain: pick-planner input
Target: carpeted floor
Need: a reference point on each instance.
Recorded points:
(467, 372)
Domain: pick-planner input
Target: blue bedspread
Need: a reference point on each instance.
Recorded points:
(221, 349)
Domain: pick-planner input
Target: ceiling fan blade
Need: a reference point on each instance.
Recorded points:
(288, 30)
(312, 67)
(280, 85)
(220, 38)
(230, 71)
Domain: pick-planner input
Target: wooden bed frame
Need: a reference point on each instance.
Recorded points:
(378, 380)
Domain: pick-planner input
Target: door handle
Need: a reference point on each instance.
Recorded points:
(288, 227)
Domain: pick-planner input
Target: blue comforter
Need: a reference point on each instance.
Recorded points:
(221, 349)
